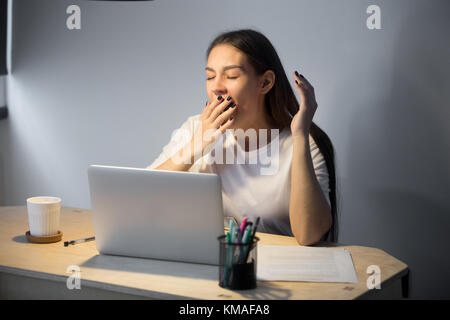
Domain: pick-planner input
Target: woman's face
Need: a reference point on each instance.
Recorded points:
(229, 74)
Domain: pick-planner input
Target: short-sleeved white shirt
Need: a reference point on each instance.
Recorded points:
(257, 185)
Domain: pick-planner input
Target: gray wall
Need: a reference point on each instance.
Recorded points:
(113, 92)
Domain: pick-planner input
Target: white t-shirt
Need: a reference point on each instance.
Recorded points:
(260, 185)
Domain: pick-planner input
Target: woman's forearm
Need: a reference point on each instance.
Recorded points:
(309, 212)
(178, 161)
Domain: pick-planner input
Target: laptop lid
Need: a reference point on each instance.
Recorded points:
(157, 214)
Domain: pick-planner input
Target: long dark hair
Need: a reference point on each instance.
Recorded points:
(280, 102)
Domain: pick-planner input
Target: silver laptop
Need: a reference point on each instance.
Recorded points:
(157, 214)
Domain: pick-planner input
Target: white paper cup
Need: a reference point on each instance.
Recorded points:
(43, 215)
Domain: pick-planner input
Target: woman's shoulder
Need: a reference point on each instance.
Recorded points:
(193, 119)
(190, 123)
(313, 147)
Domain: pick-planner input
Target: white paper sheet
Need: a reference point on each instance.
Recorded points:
(297, 263)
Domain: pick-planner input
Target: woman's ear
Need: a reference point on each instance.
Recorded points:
(267, 81)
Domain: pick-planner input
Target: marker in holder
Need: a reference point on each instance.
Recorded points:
(237, 264)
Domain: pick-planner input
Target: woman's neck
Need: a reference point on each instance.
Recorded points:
(261, 124)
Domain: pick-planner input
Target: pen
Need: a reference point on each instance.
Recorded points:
(244, 221)
(247, 234)
(227, 258)
(242, 228)
(232, 230)
(66, 243)
(251, 238)
(245, 239)
(229, 254)
(256, 227)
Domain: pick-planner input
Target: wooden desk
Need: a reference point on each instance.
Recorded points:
(36, 271)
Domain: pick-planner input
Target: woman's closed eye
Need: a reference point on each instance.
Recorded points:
(227, 78)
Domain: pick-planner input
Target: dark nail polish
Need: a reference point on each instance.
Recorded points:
(233, 105)
(296, 81)
(219, 98)
(229, 98)
(296, 73)
(231, 118)
(301, 76)
(206, 103)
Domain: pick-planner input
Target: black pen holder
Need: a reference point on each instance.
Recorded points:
(237, 264)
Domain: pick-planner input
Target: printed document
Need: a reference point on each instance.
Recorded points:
(301, 263)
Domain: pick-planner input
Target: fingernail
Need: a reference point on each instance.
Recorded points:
(229, 98)
(301, 76)
(233, 105)
(296, 81)
(206, 103)
(219, 98)
(231, 118)
(296, 73)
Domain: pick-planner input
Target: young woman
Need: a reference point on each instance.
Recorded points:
(248, 90)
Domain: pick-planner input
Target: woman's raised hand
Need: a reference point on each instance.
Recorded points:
(215, 119)
(302, 121)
